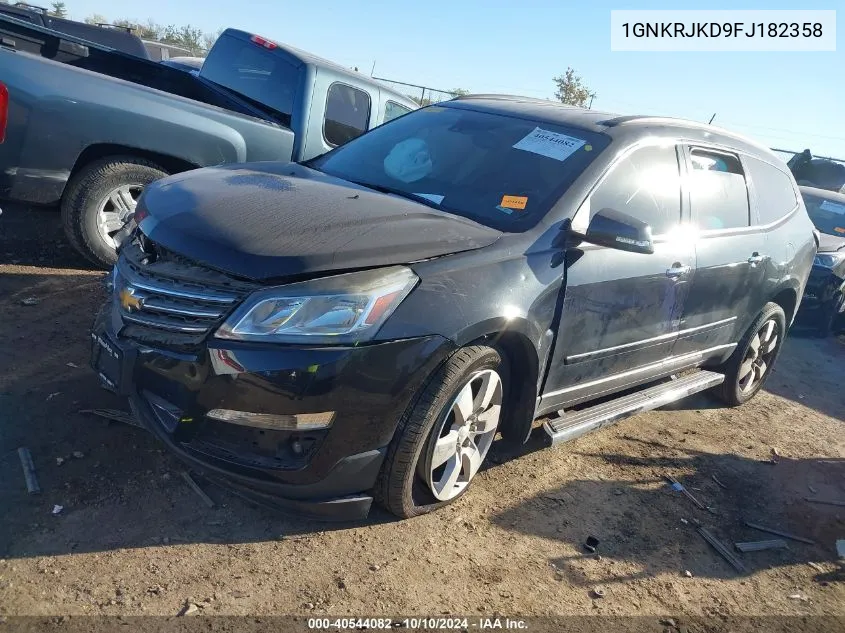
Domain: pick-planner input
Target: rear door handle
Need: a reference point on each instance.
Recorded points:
(678, 271)
(756, 258)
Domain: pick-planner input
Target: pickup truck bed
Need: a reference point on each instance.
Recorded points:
(88, 127)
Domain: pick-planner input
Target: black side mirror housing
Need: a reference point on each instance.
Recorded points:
(621, 231)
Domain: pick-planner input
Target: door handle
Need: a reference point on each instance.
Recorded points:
(678, 271)
(756, 258)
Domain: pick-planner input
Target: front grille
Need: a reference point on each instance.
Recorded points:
(168, 301)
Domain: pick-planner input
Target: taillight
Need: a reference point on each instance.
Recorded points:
(4, 110)
(140, 214)
(262, 41)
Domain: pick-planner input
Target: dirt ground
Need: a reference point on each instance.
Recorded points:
(132, 538)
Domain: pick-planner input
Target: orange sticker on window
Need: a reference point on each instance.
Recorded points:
(514, 202)
(839, 229)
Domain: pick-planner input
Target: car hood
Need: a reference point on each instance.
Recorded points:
(830, 243)
(265, 221)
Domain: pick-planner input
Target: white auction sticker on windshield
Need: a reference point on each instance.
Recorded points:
(833, 207)
(551, 144)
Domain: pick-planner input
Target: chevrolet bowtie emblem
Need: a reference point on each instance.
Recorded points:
(129, 301)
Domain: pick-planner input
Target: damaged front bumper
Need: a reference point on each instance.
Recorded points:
(324, 473)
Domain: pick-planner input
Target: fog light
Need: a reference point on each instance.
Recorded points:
(277, 422)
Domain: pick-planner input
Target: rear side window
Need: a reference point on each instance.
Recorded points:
(393, 110)
(773, 190)
(718, 193)
(646, 185)
(347, 114)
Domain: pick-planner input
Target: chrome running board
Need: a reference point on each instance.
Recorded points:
(577, 423)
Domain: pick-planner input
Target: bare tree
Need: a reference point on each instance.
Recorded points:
(208, 39)
(96, 18)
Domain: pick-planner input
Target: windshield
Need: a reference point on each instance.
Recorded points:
(260, 74)
(827, 215)
(498, 170)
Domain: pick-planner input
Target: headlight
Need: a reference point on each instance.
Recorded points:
(339, 309)
(828, 260)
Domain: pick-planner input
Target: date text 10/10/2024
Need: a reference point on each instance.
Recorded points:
(418, 623)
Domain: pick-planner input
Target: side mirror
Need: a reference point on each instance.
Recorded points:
(621, 231)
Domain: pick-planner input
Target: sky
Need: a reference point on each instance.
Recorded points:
(784, 100)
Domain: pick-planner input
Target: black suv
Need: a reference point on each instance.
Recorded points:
(362, 325)
(824, 297)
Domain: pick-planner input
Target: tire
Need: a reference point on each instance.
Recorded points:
(828, 316)
(401, 488)
(90, 188)
(736, 389)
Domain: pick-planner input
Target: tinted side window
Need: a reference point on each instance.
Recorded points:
(773, 190)
(393, 110)
(347, 113)
(718, 194)
(646, 185)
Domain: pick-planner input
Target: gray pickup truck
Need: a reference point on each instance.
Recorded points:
(88, 127)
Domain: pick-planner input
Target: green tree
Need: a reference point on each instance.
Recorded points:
(59, 10)
(458, 92)
(192, 38)
(149, 30)
(571, 89)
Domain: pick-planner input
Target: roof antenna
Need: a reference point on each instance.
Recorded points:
(711, 119)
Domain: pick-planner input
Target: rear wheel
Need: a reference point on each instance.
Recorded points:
(748, 368)
(442, 440)
(100, 201)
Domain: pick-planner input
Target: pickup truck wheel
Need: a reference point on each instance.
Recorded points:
(748, 368)
(100, 200)
(443, 438)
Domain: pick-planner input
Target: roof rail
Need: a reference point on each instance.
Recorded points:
(506, 97)
(106, 25)
(629, 118)
(31, 7)
(831, 158)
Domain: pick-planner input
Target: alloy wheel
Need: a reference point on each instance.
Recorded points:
(463, 437)
(759, 356)
(116, 210)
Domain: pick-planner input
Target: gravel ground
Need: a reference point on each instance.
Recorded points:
(132, 538)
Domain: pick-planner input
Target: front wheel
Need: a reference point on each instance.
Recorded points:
(748, 368)
(100, 201)
(441, 442)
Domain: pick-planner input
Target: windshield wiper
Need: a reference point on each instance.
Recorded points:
(398, 192)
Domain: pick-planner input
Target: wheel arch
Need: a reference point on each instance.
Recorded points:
(787, 298)
(521, 357)
(169, 163)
